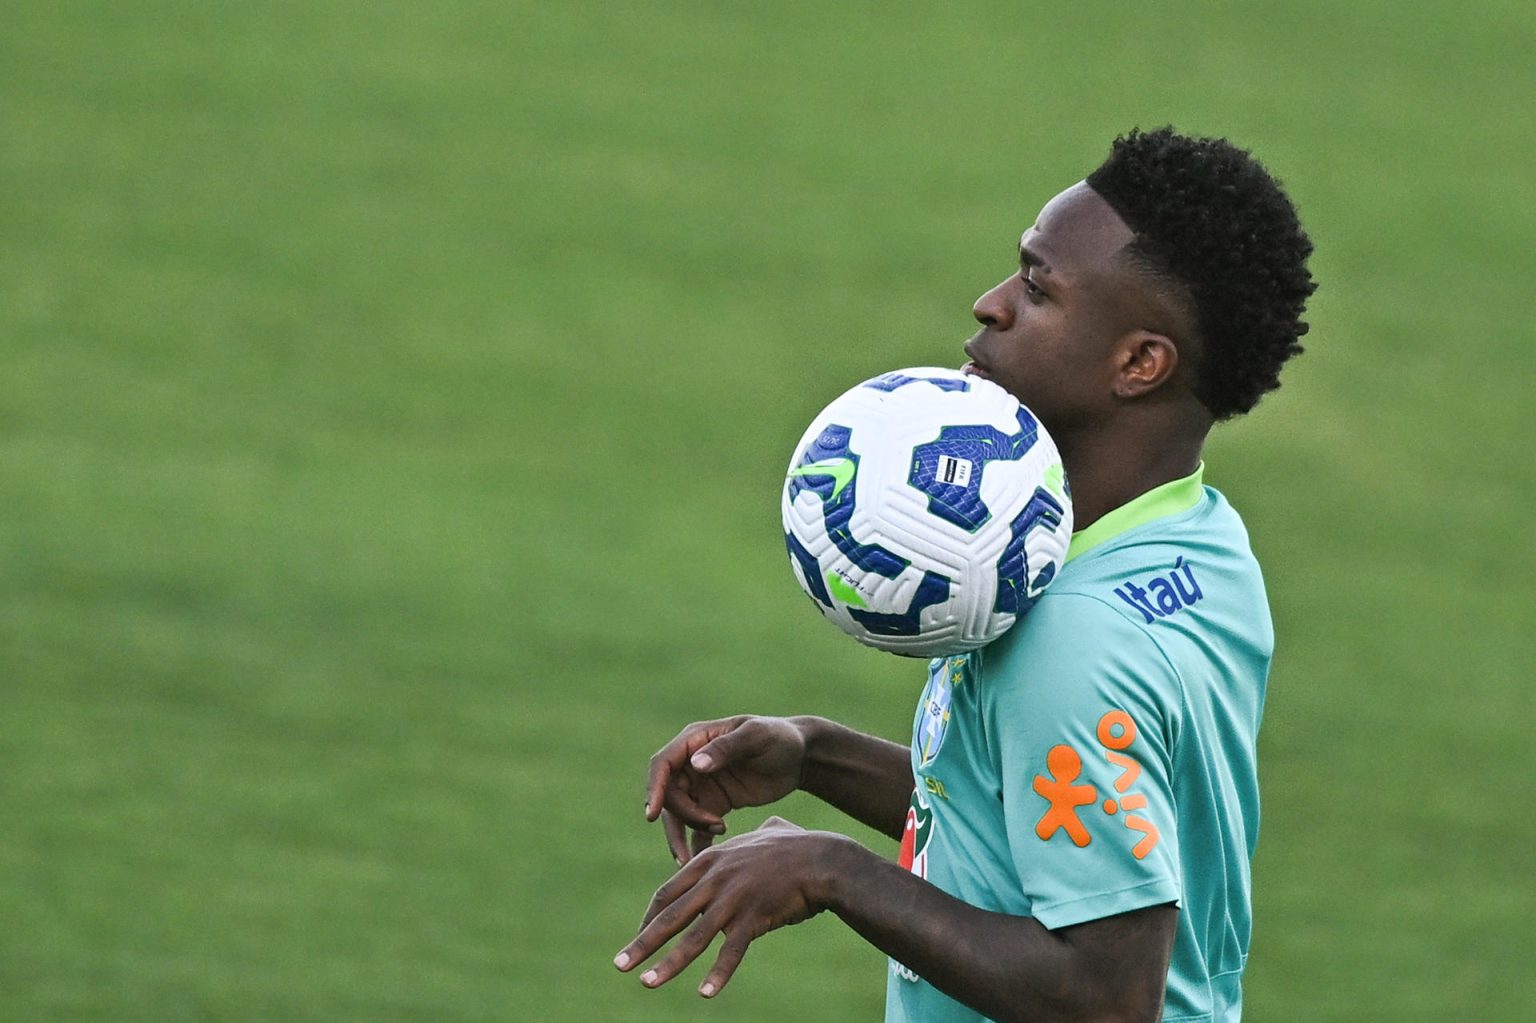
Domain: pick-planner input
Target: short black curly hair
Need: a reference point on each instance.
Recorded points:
(1212, 218)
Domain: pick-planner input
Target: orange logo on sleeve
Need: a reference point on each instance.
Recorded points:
(1065, 765)
(1116, 732)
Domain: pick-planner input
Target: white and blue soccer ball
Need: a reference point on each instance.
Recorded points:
(925, 511)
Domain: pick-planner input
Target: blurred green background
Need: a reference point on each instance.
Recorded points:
(394, 400)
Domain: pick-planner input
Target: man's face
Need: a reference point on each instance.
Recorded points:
(1048, 332)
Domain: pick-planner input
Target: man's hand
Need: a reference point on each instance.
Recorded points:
(1007, 967)
(713, 767)
(744, 888)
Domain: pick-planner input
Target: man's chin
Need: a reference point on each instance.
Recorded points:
(976, 370)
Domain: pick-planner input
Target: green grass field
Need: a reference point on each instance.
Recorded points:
(394, 400)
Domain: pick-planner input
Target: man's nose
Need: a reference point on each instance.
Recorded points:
(993, 309)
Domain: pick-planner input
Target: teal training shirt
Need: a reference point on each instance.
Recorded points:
(1100, 756)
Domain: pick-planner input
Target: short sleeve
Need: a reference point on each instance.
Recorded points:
(1081, 709)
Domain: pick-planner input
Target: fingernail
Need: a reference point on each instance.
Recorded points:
(648, 977)
(647, 809)
(621, 960)
(701, 761)
(707, 989)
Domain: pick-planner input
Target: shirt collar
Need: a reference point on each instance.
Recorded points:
(1171, 498)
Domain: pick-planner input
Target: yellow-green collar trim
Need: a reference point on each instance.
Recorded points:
(1171, 498)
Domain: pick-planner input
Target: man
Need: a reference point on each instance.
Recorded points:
(1079, 807)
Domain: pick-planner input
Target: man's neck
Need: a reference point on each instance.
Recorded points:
(1107, 471)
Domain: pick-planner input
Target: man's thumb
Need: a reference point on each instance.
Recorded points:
(714, 754)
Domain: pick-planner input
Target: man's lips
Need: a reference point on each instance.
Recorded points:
(973, 367)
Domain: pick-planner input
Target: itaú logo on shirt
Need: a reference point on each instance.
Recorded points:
(1162, 595)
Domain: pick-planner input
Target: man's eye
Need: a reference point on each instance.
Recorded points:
(1030, 287)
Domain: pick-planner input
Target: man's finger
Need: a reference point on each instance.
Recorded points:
(670, 759)
(655, 783)
(730, 957)
(688, 948)
(722, 750)
(687, 809)
(701, 840)
(677, 837)
(656, 777)
(675, 887)
(658, 929)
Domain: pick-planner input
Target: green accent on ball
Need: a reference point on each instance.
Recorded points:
(840, 469)
(843, 591)
(1054, 478)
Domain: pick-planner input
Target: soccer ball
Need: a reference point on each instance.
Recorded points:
(925, 511)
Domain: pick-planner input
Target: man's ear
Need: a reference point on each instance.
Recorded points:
(1144, 362)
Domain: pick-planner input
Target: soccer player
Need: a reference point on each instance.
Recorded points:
(1078, 805)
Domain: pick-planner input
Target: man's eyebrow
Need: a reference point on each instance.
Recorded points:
(1029, 257)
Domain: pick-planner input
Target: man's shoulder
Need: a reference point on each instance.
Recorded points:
(1075, 637)
(1156, 570)
(1137, 602)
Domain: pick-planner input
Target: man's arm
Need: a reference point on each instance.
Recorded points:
(713, 767)
(866, 777)
(1007, 967)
